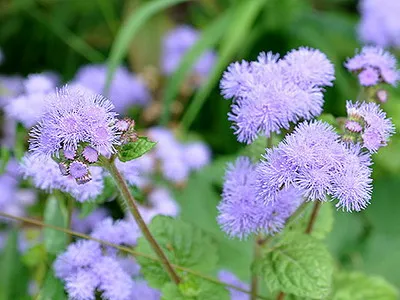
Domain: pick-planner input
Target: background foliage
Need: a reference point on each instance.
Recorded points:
(62, 35)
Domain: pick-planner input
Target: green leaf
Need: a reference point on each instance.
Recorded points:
(136, 149)
(241, 21)
(52, 288)
(195, 288)
(209, 37)
(55, 214)
(128, 31)
(4, 158)
(358, 286)
(323, 224)
(13, 282)
(183, 244)
(301, 265)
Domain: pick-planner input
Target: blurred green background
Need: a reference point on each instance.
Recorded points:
(62, 35)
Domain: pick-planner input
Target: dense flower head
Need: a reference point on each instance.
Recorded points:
(376, 128)
(379, 23)
(46, 175)
(89, 269)
(316, 163)
(230, 278)
(86, 224)
(308, 67)
(74, 116)
(374, 65)
(242, 213)
(269, 94)
(175, 45)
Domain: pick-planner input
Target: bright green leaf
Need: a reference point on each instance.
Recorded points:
(194, 288)
(301, 265)
(358, 286)
(55, 214)
(135, 149)
(183, 244)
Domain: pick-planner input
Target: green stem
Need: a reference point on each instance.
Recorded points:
(254, 278)
(130, 202)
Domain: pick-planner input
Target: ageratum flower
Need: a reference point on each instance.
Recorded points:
(175, 45)
(126, 89)
(229, 278)
(241, 213)
(316, 163)
(376, 128)
(269, 94)
(374, 65)
(379, 23)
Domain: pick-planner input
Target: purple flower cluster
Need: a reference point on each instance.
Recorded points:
(30, 106)
(177, 160)
(88, 268)
(88, 223)
(45, 175)
(379, 22)
(241, 213)
(369, 121)
(373, 66)
(175, 45)
(10, 87)
(315, 162)
(126, 89)
(159, 202)
(269, 94)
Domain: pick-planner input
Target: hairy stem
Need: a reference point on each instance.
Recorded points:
(131, 204)
(313, 217)
(281, 296)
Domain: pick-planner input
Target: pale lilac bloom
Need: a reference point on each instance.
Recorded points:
(137, 171)
(308, 67)
(175, 45)
(377, 128)
(126, 89)
(269, 94)
(379, 23)
(241, 213)
(376, 59)
(197, 155)
(10, 87)
(119, 232)
(142, 291)
(82, 285)
(87, 223)
(74, 116)
(316, 163)
(230, 278)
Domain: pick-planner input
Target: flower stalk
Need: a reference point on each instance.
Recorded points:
(134, 210)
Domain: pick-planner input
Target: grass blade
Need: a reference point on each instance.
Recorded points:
(128, 31)
(243, 17)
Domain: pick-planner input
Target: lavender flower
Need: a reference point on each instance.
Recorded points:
(40, 83)
(10, 87)
(308, 68)
(377, 128)
(230, 278)
(141, 290)
(241, 213)
(379, 22)
(374, 65)
(125, 90)
(160, 202)
(176, 43)
(88, 223)
(81, 285)
(316, 163)
(45, 174)
(197, 155)
(269, 94)
(137, 171)
(119, 232)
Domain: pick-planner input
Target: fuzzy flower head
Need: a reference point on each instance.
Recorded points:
(315, 162)
(75, 119)
(125, 90)
(379, 23)
(241, 213)
(269, 94)
(175, 45)
(373, 127)
(308, 67)
(374, 65)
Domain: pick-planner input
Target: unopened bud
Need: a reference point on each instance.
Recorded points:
(84, 179)
(63, 169)
(382, 95)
